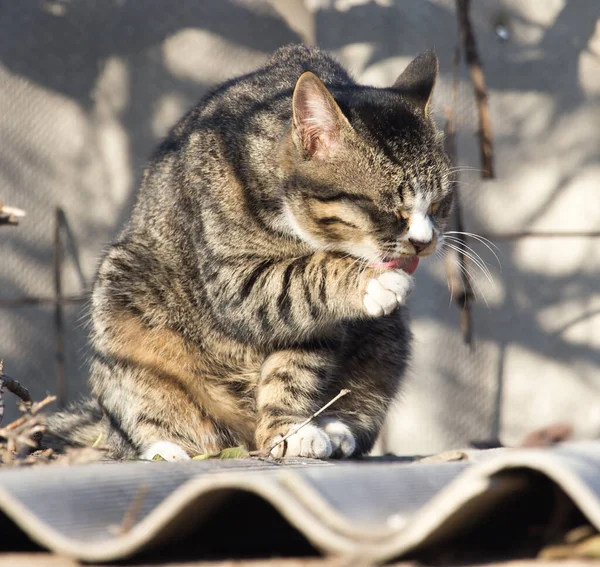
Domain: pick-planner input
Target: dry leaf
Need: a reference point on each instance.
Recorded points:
(230, 453)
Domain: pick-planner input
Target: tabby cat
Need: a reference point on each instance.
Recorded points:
(266, 265)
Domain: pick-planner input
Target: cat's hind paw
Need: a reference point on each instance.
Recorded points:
(310, 442)
(386, 292)
(343, 443)
(165, 449)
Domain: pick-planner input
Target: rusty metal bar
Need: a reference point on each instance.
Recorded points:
(59, 329)
(469, 47)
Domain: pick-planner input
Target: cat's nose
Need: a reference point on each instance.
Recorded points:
(419, 244)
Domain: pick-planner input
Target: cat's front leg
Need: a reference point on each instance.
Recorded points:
(374, 358)
(299, 298)
(387, 291)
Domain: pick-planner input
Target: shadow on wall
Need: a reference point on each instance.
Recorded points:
(67, 44)
(148, 64)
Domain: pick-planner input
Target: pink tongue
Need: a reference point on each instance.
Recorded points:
(409, 265)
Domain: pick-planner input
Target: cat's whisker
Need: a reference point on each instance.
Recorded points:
(459, 168)
(441, 254)
(485, 273)
(347, 269)
(475, 258)
(485, 241)
(476, 289)
(477, 262)
(473, 235)
(464, 246)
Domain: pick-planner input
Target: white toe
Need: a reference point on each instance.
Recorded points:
(373, 308)
(310, 442)
(343, 442)
(167, 450)
(399, 283)
(385, 298)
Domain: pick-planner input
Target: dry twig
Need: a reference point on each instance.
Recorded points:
(59, 329)
(295, 430)
(458, 276)
(18, 438)
(14, 387)
(478, 79)
(10, 215)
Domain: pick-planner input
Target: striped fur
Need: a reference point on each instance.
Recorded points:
(233, 304)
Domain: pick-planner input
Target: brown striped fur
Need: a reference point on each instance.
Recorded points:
(233, 304)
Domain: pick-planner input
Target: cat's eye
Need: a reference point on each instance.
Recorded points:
(433, 208)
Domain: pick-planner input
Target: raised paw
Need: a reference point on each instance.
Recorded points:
(167, 450)
(343, 443)
(310, 441)
(387, 291)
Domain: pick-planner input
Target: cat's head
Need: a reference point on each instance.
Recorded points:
(366, 170)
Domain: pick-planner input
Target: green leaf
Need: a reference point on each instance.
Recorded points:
(234, 453)
(157, 457)
(205, 456)
(230, 453)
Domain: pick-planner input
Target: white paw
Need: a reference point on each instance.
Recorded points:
(386, 292)
(342, 441)
(310, 442)
(167, 450)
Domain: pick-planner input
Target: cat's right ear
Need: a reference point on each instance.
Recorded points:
(317, 122)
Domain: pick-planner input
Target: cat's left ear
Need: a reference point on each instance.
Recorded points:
(317, 122)
(418, 79)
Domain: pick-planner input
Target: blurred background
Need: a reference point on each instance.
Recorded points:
(89, 87)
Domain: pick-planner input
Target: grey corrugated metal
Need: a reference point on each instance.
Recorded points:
(87, 89)
(368, 512)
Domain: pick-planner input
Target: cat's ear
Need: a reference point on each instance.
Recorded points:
(317, 121)
(418, 79)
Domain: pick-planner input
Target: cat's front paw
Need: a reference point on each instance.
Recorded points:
(310, 441)
(387, 291)
(343, 443)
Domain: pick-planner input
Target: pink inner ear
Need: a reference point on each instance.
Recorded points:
(315, 119)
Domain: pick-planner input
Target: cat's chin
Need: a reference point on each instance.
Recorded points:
(407, 263)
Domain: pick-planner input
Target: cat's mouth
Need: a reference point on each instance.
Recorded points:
(407, 263)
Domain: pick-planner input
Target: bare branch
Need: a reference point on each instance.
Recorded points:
(478, 79)
(295, 430)
(458, 276)
(10, 215)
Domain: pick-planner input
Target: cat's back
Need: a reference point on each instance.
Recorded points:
(269, 89)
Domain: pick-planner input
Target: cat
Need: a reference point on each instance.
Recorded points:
(266, 265)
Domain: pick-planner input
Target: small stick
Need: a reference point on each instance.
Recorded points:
(478, 79)
(299, 427)
(59, 330)
(132, 513)
(14, 387)
(35, 408)
(465, 298)
(25, 301)
(541, 234)
(10, 215)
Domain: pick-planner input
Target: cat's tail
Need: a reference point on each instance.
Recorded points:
(82, 424)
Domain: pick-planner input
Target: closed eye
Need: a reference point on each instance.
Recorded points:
(328, 221)
(342, 196)
(433, 208)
